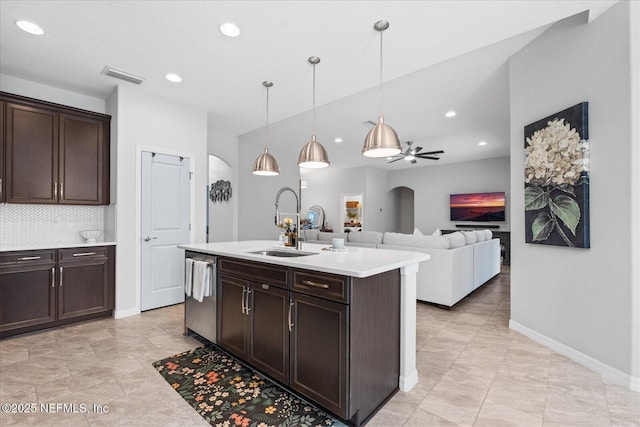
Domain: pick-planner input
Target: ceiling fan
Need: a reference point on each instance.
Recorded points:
(411, 154)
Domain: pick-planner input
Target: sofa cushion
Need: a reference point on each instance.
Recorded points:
(374, 237)
(309, 235)
(400, 239)
(480, 235)
(489, 234)
(326, 236)
(470, 237)
(456, 240)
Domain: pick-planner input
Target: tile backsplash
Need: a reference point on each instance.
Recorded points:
(35, 224)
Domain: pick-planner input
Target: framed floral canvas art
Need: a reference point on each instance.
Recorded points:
(556, 179)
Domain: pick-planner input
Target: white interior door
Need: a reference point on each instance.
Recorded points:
(165, 224)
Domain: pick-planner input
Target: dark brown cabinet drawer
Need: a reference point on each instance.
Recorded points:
(324, 285)
(274, 275)
(28, 257)
(82, 253)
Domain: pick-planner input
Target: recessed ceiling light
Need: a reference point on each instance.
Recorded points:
(450, 114)
(230, 29)
(30, 27)
(173, 78)
(481, 143)
(338, 140)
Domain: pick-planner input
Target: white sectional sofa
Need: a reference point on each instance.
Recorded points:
(460, 262)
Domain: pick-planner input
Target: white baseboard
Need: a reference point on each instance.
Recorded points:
(603, 369)
(119, 314)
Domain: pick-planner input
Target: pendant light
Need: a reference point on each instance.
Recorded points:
(313, 155)
(266, 164)
(382, 140)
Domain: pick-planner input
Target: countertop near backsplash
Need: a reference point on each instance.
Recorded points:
(27, 227)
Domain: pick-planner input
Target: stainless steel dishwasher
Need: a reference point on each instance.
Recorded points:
(200, 317)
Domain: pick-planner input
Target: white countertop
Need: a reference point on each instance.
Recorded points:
(355, 261)
(38, 246)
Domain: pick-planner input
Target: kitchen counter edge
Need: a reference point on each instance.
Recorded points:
(355, 262)
(42, 246)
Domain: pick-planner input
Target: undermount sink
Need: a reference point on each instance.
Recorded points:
(282, 254)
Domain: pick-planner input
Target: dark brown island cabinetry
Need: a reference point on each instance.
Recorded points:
(45, 288)
(333, 339)
(53, 154)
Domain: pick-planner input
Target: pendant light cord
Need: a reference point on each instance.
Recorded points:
(267, 142)
(314, 99)
(381, 87)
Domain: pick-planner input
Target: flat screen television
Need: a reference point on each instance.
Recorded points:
(477, 207)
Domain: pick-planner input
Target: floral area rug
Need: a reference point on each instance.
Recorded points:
(227, 393)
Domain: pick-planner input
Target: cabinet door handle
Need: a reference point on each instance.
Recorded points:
(244, 292)
(53, 277)
(55, 190)
(247, 304)
(61, 190)
(290, 309)
(27, 258)
(315, 285)
(85, 254)
(61, 276)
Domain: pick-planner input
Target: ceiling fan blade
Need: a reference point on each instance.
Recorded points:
(429, 157)
(417, 150)
(432, 152)
(395, 160)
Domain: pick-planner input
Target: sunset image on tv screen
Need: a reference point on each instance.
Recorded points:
(477, 207)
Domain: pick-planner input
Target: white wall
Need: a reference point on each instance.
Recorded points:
(155, 123)
(579, 301)
(256, 194)
(432, 186)
(42, 92)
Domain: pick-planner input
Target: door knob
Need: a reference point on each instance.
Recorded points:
(147, 238)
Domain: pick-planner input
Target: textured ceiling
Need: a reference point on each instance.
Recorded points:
(424, 59)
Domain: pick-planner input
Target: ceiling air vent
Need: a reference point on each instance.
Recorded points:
(122, 75)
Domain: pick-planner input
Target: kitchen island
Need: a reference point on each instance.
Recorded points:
(338, 327)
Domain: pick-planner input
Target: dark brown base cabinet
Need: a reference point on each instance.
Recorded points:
(46, 288)
(333, 339)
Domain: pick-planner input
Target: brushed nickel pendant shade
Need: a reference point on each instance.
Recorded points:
(266, 164)
(382, 140)
(313, 155)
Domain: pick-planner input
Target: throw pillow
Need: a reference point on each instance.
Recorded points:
(470, 237)
(417, 232)
(481, 236)
(437, 232)
(456, 240)
(489, 234)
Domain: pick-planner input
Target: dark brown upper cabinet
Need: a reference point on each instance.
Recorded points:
(2, 181)
(54, 154)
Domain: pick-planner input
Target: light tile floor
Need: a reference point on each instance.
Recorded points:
(473, 371)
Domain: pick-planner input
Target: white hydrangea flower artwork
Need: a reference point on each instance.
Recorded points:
(556, 177)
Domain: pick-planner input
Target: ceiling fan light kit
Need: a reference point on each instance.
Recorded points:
(413, 154)
(382, 140)
(266, 164)
(313, 155)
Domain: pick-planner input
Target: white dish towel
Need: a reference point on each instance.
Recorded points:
(188, 276)
(201, 280)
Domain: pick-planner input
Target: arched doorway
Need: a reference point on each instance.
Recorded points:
(404, 210)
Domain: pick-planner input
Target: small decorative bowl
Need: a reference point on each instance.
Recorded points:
(91, 236)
